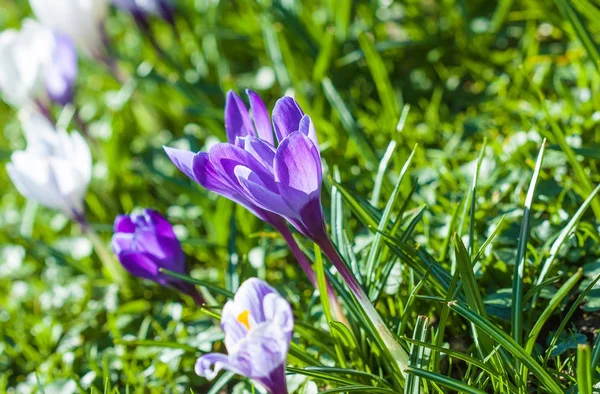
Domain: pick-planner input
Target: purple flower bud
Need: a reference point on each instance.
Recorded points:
(258, 325)
(145, 243)
(141, 9)
(62, 70)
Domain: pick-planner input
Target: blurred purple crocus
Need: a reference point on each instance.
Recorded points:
(141, 9)
(62, 71)
(145, 243)
(258, 325)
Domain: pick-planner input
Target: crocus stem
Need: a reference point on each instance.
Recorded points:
(197, 297)
(389, 342)
(306, 267)
(110, 264)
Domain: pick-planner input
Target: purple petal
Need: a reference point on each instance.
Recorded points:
(210, 364)
(286, 117)
(159, 223)
(260, 194)
(237, 120)
(123, 224)
(298, 176)
(308, 129)
(297, 170)
(121, 242)
(250, 296)
(226, 157)
(278, 311)
(260, 115)
(262, 151)
(183, 160)
(262, 354)
(207, 175)
(139, 264)
(62, 71)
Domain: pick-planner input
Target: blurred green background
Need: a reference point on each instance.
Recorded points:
(375, 76)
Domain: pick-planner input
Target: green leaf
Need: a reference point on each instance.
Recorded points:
(380, 77)
(416, 355)
(584, 369)
(442, 380)
(509, 344)
(517, 301)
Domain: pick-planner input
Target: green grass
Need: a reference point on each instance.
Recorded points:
(437, 188)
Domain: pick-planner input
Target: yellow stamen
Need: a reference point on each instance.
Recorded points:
(244, 318)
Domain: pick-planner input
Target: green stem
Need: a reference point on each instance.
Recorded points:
(385, 338)
(112, 269)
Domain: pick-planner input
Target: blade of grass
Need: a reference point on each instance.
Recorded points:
(583, 34)
(381, 171)
(444, 381)
(415, 360)
(337, 103)
(509, 344)
(584, 181)
(381, 78)
(584, 369)
(473, 296)
(564, 234)
(568, 316)
(517, 287)
(375, 250)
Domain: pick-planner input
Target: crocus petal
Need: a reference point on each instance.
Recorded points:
(261, 195)
(260, 115)
(237, 120)
(32, 178)
(297, 172)
(62, 71)
(121, 242)
(262, 352)
(210, 364)
(159, 223)
(262, 151)
(123, 224)
(298, 176)
(226, 157)
(250, 296)
(308, 129)
(278, 311)
(208, 177)
(286, 117)
(183, 160)
(139, 264)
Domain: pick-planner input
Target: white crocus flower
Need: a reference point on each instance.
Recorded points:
(81, 20)
(55, 169)
(24, 56)
(37, 64)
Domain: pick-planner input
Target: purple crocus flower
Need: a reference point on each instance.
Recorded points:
(141, 9)
(282, 182)
(249, 141)
(243, 169)
(62, 71)
(145, 243)
(258, 325)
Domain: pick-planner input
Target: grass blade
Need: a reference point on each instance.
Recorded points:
(517, 287)
(416, 355)
(442, 380)
(584, 369)
(509, 344)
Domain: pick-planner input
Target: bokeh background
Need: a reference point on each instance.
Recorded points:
(376, 77)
